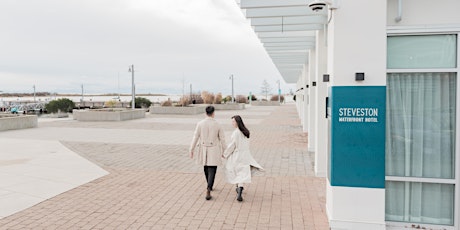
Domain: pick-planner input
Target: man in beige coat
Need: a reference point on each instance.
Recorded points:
(209, 138)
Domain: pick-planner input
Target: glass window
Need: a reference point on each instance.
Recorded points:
(420, 202)
(421, 117)
(421, 130)
(422, 52)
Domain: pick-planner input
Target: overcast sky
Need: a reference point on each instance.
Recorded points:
(59, 45)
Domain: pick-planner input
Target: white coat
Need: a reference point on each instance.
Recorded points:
(209, 138)
(239, 159)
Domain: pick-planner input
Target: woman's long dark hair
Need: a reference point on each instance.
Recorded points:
(241, 126)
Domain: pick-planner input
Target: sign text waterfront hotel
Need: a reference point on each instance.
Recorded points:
(358, 114)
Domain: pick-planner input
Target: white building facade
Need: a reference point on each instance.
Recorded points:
(377, 93)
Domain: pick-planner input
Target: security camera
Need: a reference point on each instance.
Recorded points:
(317, 5)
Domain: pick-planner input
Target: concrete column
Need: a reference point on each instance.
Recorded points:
(306, 105)
(298, 100)
(356, 177)
(312, 100)
(321, 124)
(302, 99)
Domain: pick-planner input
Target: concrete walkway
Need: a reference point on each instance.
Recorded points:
(62, 166)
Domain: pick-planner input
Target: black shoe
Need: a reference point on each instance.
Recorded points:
(208, 195)
(240, 193)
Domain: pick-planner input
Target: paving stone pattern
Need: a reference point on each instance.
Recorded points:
(156, 186)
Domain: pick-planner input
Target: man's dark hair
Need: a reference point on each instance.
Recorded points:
(209, 110)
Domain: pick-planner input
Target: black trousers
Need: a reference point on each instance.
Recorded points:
(210, 174)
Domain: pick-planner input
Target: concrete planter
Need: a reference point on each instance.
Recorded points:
(265, 103)
(230, 106)
(58, 115)
(10, 122)
(186, 110)
(107, 114)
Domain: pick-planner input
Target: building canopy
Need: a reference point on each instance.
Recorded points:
(287, 30)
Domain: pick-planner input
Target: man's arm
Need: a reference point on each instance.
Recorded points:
(196, 137)
(221, 135)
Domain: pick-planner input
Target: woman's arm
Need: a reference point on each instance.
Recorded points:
(231, 147)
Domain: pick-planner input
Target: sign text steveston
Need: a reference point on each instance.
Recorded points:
(358, 114)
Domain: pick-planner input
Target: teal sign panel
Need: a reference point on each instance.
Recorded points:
(357, 144)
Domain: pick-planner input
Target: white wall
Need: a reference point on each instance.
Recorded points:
(424, 12)
(357, 39)
(356, 208)
(357, 43)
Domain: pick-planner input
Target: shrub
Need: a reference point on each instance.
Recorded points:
(218, 99)
(241, 99)
(253, 98)
(183, 101)
(208, 98)
(63, 104)
(141, 102)
(110, 104)
(227, 99)
(275, 98)
(196, 99)
(166, 103)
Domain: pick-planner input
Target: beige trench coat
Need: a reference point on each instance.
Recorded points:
(239, 160)
(209, 139)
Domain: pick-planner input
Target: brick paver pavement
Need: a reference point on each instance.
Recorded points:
(156, 186)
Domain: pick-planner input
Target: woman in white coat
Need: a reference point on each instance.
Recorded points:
(239, 159)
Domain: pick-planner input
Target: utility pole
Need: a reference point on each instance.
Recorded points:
(131, 69)
(233, 96)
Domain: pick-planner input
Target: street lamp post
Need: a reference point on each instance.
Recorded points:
(279, 91)
(233, 96)
(131, 69)
(34, 93)
(191, 93)
(81, 93)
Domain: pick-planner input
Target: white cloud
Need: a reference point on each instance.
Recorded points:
(59, 45)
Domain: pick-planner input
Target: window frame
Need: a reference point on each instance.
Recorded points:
(410, 31)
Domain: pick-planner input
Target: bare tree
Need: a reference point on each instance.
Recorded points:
(266, 88)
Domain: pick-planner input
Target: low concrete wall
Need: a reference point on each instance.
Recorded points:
(232, 106)
(186, 110)
(56, 115)
(107, 114)
(193, 109)
(265, 103)
(10, 122)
